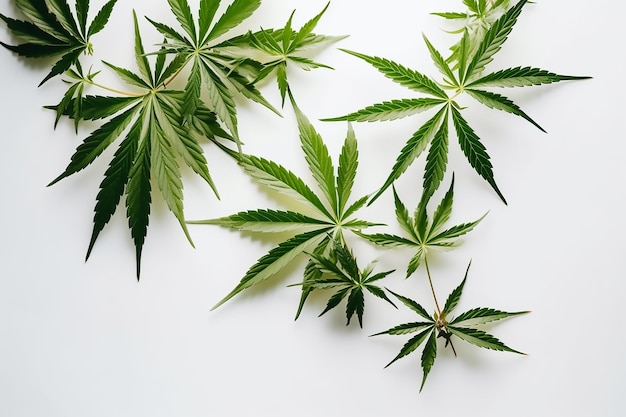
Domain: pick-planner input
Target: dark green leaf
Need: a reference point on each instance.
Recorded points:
(474, 150)
(499, 102)
(429, 354)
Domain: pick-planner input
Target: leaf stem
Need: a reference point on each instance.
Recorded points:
(432, 288)
(113, 90)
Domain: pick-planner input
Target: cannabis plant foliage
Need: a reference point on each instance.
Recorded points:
(277, 49)
(213, 69)
(51, 29)
(479, 16)
(152, 144)
(441, 324)
(331, 208)
(467, 79)
(339, 271)
(422, 233)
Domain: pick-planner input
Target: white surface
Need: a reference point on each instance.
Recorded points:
(85, 339)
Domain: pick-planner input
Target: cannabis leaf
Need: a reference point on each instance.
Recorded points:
(276, 49)
(74, 96)
(339, 271)
(331, 208)
(441, 325)
(50, 29)
(422, 233)
(463, 79)
(153, 142)
(212, 67)
(475, 23)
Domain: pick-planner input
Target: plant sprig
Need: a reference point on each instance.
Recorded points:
(51, 29)
(468, 76)
(441, 324)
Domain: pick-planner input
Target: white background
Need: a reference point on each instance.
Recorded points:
(86, 339)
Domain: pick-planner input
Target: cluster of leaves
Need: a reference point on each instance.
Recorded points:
(422, 234)
(442, 325)
(467, 79)
(331, 211)
(479, 16)
(158, 126)
(50, 30)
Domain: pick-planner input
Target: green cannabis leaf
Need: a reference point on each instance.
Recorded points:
(475, 22)
(468, 79)
(423, 234)
(212, 67)
(74, 96)
(339, 271)
(154, 141)
(442, 325)
(50, 29)
(331, 208)
(276, 49)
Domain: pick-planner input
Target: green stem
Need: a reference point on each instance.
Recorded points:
(113, 90)
(432, 288)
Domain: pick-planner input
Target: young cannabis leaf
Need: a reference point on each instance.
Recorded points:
(423, 234)
(50, 29)
(74, 96)
(476, 21)
(465, 326)
(466, 79)
(331, 208)
(276, 49)
(219, 73)
(153, 143)
(339, 271)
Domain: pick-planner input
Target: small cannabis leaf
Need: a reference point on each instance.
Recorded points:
(218, 72)
(153, 143)
(332, 210)
(276, 49)
(475, 22)
(468, 76)
(74, 95)
(50, 29)
(339, 271)
(441, 325)
(423, 234)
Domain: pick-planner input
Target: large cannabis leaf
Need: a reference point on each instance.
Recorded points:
(218, 72)
(465, 326)
(340, 271)
(332, 210)
(154, 141)
(423, 234)
(466, 79)
(276, 49)
(50, 29)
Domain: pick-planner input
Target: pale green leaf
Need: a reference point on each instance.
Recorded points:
(479, 316)
(493, 40)
(275, 260)
(237, 12)
(389, 110)
(346, 172)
